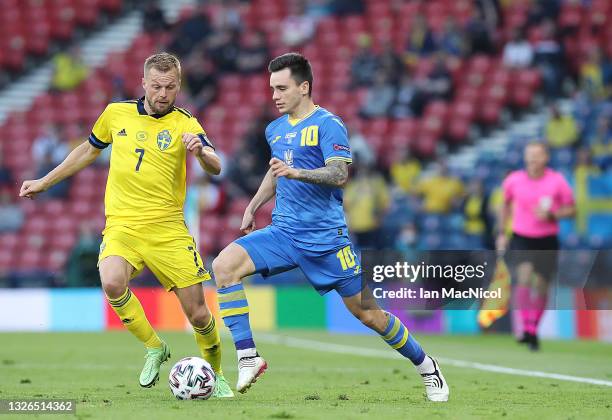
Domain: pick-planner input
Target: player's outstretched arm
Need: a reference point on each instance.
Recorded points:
(208, 159)
(334, 174)
(80, 157)
(266, 191)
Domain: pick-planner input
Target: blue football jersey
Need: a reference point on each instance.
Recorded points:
(311, 214)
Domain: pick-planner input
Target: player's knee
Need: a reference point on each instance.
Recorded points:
(199, 316)
(223, 271)
(114, 285)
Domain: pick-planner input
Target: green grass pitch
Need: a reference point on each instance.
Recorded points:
(100, 371)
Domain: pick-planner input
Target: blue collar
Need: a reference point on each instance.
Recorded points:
(143, 111)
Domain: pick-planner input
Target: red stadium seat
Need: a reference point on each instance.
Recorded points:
(425, 146)
(521, 96)
(490, 112)
(458, 130)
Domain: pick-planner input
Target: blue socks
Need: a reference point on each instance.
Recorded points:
(397, 336)
(234, 309)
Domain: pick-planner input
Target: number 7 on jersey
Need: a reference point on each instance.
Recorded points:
(141, 152)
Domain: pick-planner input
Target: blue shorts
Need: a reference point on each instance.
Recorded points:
(273, 252)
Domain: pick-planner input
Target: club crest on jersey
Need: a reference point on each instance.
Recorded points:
(289, 157)
(163, 140)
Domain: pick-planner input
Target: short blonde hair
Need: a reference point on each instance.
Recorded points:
(162, 62)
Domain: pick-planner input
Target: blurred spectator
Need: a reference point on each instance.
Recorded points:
(191, 31)
(452, 39)
(405, 171)
(407, 242)
(439, 82)
(518, 52)
(584, 165)
(478, 223)
(81, 267)
(561, 129)
(69, 70)
(11, 215)
(49, 146)
(253, 55)
(601, 142)
(607, 74)
(592, 75)
(347, 7)
(297, 27)
(548, 57)
(365, 62)
(226, 14)
(440, 191)
(479, 33)
(379, 97)
(366, 200)
(240, 179)
(211, 196)
(420, 41)
(256, 144)
(153, 19)
(318, 9)
(542, 10)
(223, 47)
(200, 80)
(360, 148)
(118, 91)
(406, 101)
(490, 10)
(6, 178)
(390, 63)
(45, 166)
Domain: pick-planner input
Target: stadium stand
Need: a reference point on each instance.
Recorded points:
(485, 95)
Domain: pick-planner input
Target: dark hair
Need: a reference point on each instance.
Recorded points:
(298, 65)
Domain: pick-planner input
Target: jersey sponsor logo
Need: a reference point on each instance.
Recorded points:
(142, 136)
(122, 132)
(289, 137)
(163, 140)
(289, 157)
(341, 147)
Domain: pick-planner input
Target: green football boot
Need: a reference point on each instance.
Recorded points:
(153, 360)
(222, 389)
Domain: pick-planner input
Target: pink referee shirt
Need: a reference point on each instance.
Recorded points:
(548, 192)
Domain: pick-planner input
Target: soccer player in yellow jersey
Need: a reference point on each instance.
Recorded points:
(144, 201)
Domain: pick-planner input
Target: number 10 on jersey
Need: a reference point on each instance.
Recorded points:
(346, 257)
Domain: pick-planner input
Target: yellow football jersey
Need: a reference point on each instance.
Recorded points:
(147, 176)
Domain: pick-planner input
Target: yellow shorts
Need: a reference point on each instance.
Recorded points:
(167, 249)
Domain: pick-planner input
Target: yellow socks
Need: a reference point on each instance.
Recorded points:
(208, 341)
(130, 311)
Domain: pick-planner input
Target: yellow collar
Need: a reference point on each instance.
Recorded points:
(296, 121)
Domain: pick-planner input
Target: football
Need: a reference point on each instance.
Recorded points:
(192, 378)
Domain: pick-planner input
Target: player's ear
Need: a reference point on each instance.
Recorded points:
(304, 86)
(144, 83)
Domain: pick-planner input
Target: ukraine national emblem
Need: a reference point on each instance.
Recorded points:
(163, 140)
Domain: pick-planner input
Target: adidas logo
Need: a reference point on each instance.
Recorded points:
(127, 320)
(122, 133)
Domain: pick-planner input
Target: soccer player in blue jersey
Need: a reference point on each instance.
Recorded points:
(308, 169)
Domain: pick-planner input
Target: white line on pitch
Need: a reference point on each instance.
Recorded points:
(356, 351)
